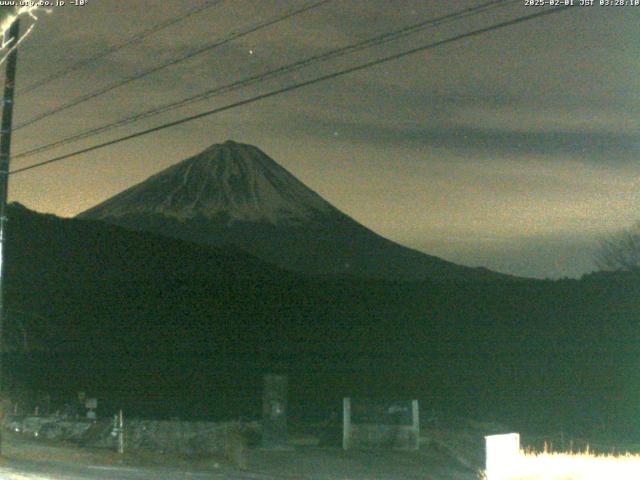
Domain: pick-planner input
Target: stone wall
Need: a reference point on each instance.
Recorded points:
(189, 438)
(192, 438)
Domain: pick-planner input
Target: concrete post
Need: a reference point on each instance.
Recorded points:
(274, 412)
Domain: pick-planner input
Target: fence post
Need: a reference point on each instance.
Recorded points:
(415, 421)
(346, 423)
(120, 433)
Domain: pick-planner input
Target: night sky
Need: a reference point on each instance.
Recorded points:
(515, 150)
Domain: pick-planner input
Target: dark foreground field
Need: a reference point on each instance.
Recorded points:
(443, 456)
(163, 329)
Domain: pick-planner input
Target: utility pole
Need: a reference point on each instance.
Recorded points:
(5, 152)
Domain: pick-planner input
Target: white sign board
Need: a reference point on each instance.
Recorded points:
(503, 452)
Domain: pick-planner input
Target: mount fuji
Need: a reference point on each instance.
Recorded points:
(234, 194)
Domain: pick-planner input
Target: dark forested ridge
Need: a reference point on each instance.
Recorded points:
(164, 326)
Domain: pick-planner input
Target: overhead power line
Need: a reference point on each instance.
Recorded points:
(119, 46)
(175, 61)
(299, 85)
(277, 72)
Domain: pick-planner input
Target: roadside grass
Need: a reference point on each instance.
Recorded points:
(584, 465)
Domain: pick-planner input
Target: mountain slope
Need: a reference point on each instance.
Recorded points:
(235, 194)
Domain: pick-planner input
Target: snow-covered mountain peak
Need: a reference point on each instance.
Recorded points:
(233, 194)
(231, 181)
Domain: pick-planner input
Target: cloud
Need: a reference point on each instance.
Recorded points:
(590, 145)
(522, 134)
(544, 256)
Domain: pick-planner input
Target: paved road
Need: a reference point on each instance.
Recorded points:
(30, 470)
(301, 464)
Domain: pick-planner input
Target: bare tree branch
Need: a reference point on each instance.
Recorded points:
(620, 251)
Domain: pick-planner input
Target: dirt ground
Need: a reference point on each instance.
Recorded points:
(443, 456)
(336, 464)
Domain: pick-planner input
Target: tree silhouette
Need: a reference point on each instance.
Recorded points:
(621, 251)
